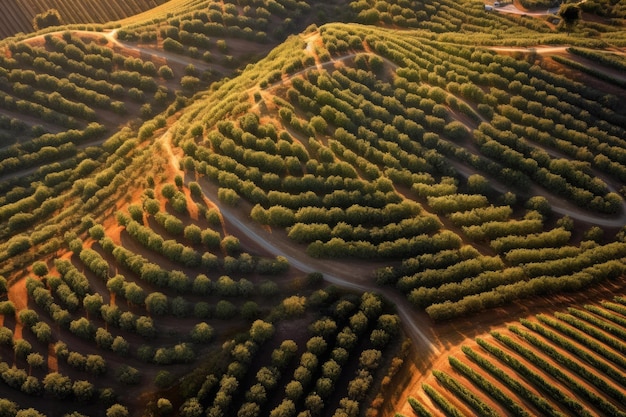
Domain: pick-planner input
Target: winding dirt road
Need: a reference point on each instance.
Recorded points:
(510, 8)
(339, 273)
(111, 36)
(351, 276)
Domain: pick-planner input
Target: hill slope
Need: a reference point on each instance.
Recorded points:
(18, 16)
(176, 185)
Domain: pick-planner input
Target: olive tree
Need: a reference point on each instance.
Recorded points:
(28, 317)
(57, 385)
(83, 328)
(117, 410)
(202, 333)
(40, 268)
(83, 390)
(95, 365)
(14, 377)
(31, 386)
(21, 348)
(294, 306)
(145, 327)
(29, 412)
(157, 303)
(34, 360)
(92, 303)
(260, 331)
(42, 331)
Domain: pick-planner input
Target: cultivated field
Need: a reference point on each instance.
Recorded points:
(294, 208)
(17, 16)
(564, 363)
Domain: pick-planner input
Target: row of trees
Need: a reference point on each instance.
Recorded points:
(545, 337)
(571, 365)
(585, 335)
(194, 26)
(79, 78)
(559, 175)
(54, 385)
(82, 310)
(317, 366)
(311, 232)
(66, 87)
(366, 129)
(57, 160)
(508, 286)
(530, 92)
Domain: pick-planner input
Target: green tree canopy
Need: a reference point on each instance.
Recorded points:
(51, 17)
(570, 13)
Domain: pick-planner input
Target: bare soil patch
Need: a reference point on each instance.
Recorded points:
(53, 363)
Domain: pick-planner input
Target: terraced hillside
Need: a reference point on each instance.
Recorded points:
(19, 16)
(421, 153)
(283, 207)
(561, 364)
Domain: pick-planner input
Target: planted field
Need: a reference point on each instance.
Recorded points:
(18, 16)
(134, 306)
(371, 146)
(551, 365)
(257, 208)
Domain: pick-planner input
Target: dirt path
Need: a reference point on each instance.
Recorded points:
(530, 49)
(510, 8)
(541, 49)
(111, 36)
(431, 342)
(53, 363)
(18, 295)
(559, 205)
(311, 41)
(348, 275)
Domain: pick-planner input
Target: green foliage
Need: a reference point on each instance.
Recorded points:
(157, 303)
(355, 152)
(466, 394)
(225, 310)
(202, 333)
(117, 410)
(418, 408)
(486, 385)
(228, 196)
(51, 17)
(294, 306)
(441, 401)
(57, 385)
(83, 328)
(128, 375)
